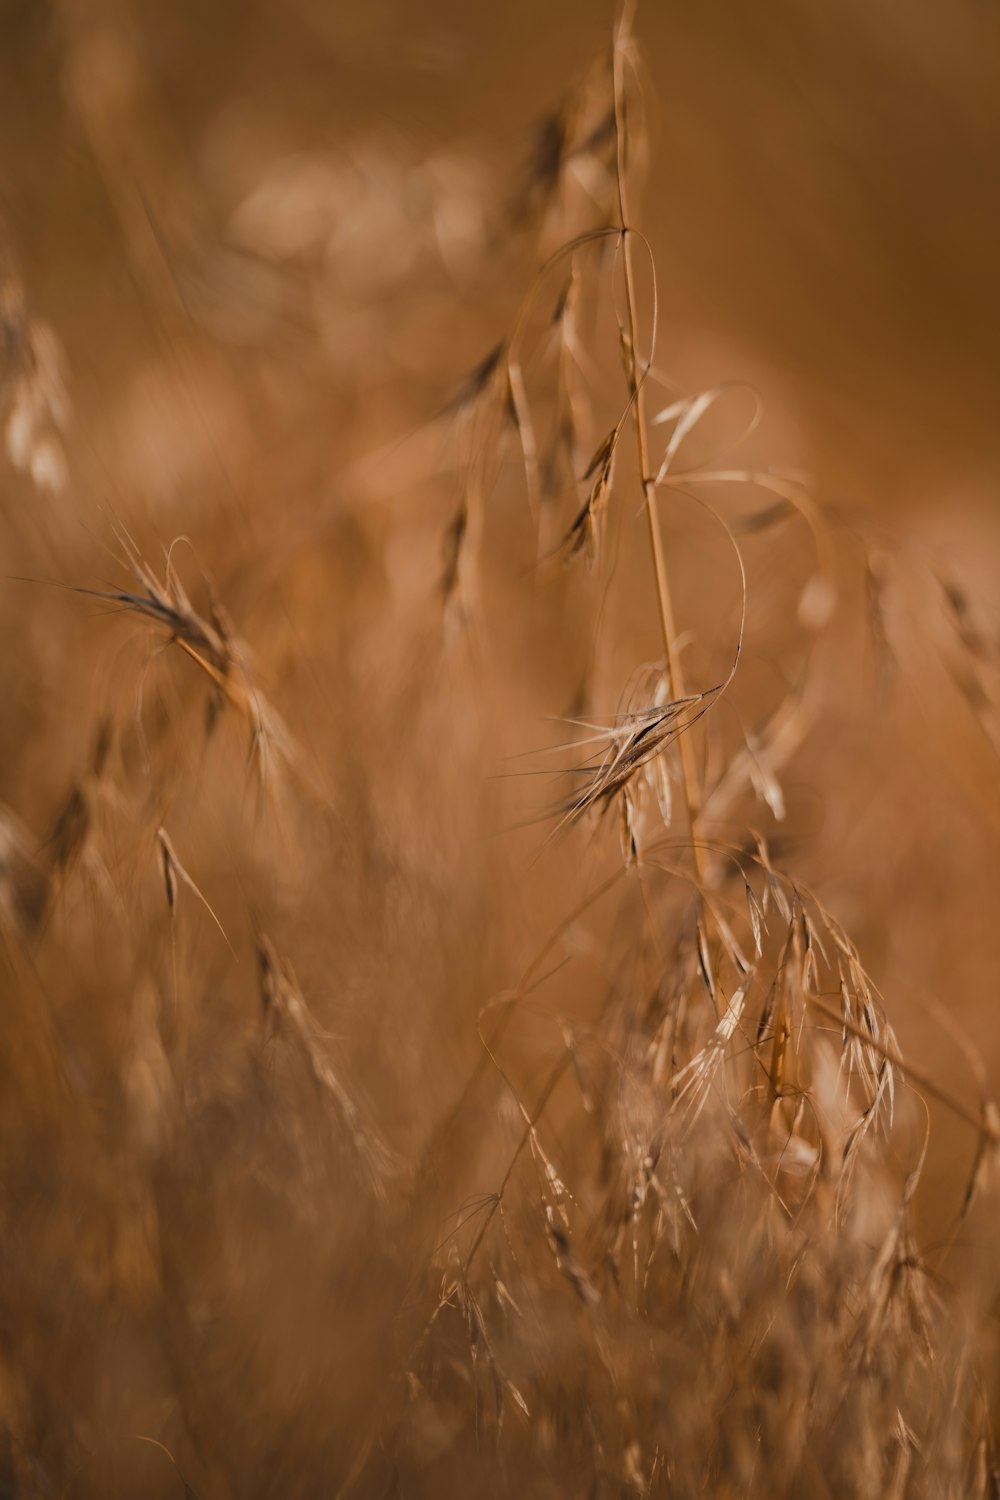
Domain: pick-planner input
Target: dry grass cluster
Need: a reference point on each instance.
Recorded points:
(435, 1059)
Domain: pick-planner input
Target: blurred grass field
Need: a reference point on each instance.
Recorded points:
(249, 255)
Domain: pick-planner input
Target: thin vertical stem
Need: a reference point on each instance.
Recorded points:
(675, 671)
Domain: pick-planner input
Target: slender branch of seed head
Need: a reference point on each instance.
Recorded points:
(984, 1122)
(531, 1124)
(668, 627)
(528, 981)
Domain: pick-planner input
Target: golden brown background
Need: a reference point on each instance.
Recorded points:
(270, 239)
